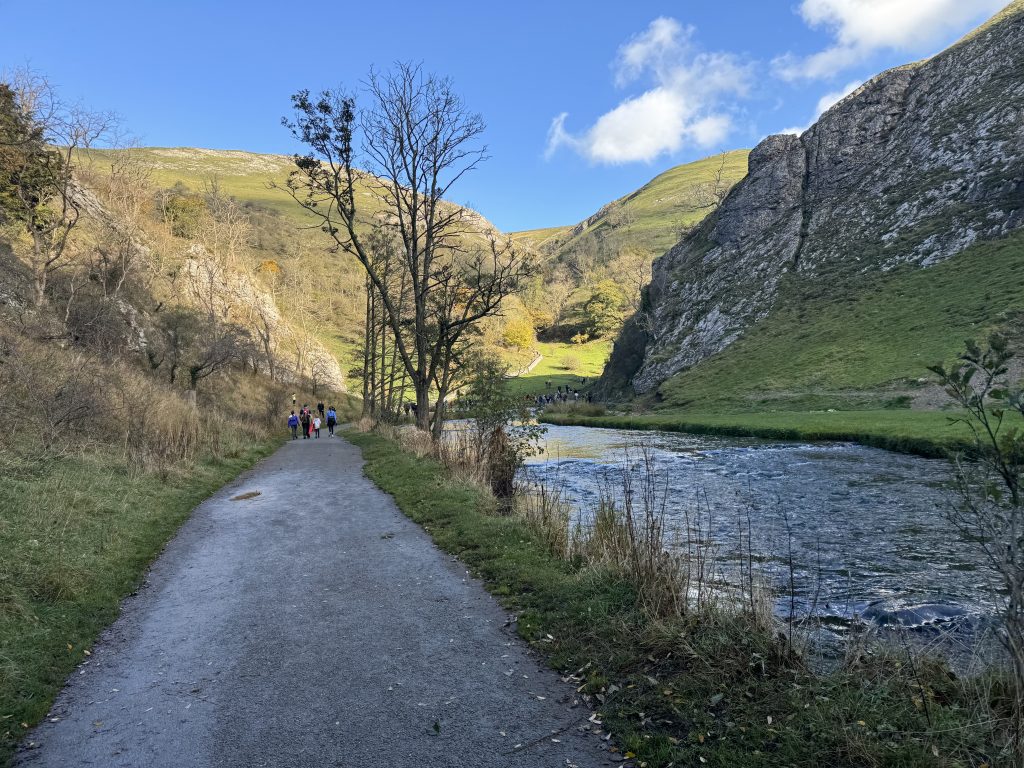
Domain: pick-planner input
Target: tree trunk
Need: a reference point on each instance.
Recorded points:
(367, 330)
(423, 405)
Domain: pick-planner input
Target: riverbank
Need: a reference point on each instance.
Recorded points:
(77, 534)
(709, 688)
(930, 434)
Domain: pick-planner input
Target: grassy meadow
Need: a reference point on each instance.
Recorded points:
(837, 364)
(563, 365)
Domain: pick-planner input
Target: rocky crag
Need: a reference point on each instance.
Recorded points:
(910, 169)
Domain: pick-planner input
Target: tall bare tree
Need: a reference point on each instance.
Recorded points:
(417, 140)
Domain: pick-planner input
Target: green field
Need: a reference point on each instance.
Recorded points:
(246, 176)
(563, 365)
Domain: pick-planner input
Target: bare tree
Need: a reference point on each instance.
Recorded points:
(44, 141)
(712, 193)
(418, 139)
(126, 190)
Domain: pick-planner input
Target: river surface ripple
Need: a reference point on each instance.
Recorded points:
(870, 539)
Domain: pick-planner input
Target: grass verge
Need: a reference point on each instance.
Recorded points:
(704, 689)
(77, 533)
(922, 433)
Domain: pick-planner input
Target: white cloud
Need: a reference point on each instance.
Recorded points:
(862, 27)
(825, 103)
(684, 106)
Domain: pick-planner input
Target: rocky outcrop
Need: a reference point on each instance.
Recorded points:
(911, 168)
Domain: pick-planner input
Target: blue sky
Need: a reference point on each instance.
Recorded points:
(582, 104)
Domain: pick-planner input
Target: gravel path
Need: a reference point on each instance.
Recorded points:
(312, 625)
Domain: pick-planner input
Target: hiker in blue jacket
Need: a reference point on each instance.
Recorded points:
(293, 425)
(332, 419)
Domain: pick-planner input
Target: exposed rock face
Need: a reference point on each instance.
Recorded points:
(910, 169)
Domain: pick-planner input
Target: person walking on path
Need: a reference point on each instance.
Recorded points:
(304, 419)
(320, 409)
(293, 425)
(332, 419)
(316, 427)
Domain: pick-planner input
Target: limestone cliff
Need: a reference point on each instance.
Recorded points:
(911, 168)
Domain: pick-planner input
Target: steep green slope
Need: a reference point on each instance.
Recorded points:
(652, 217)
(866, 347)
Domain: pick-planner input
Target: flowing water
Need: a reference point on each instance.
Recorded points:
(867, 528)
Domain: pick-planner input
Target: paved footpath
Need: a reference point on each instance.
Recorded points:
(313, 625)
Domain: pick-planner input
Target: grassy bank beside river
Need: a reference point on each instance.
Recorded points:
(76, 535)
(923, 433)
(709, 687)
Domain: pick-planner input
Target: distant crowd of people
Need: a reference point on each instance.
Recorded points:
(569, 396)
(310, 422)
(562, 394)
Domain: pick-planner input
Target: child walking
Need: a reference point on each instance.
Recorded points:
(316, 427)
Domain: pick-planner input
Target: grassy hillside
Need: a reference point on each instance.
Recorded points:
(866, 347)
(652, 217)
(242, 175)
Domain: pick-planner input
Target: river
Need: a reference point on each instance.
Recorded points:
(869, 535)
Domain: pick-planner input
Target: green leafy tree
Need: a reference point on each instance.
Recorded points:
(504, 434)
(604, 311)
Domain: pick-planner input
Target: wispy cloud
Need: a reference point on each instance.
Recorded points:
(684, 106)
(862, 27)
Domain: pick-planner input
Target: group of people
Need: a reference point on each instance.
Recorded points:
(563, 395)
(312, 422)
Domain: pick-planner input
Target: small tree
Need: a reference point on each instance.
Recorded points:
(990, 503)
(605, 309)
(519, 332)
(504, 434)
(41, 139)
